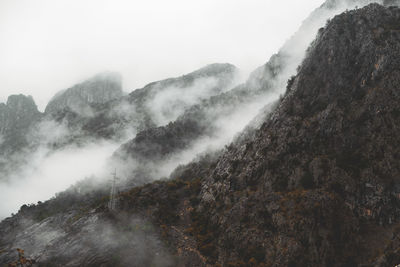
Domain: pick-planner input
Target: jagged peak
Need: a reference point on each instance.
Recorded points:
(208, 70)
(18, 101)
(101, 88)
(111, 76)
(215, 68)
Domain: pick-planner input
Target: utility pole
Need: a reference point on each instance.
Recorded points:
(112, 204)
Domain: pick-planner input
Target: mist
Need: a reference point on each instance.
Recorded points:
(126, 240)
(50, 172)
(64, 154)
(226, 126)
(169, 104)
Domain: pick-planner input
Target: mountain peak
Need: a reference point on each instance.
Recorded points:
(99, 89)
(21, 102)
(16, 117)
(215, 68)
(110, 76)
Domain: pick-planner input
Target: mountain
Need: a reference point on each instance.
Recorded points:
(17, 117)
(221, 74)
(313, 181)
(155, 146)
(96, 110)
(153, 105)
(319, 186)
(99, 89)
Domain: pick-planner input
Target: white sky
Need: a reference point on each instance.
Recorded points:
(49, 45)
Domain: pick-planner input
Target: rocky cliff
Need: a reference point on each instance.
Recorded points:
(319, 184)
(204, 120)
(100, 89)
(16, 117)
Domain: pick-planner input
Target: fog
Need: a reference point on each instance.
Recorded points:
(124, 241)
(167, 105)
(50, 172)
(49, 45)
(227, 126)
(64, 155)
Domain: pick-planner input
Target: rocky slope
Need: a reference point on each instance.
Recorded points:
(319, 184)
(82, 236)
(203, 121)
(100, 89)
(17, 117)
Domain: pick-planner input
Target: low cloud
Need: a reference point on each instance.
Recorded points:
(120, 241)
(48, 172)
(172, 101)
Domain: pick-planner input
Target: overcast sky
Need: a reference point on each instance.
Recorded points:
(48, 45)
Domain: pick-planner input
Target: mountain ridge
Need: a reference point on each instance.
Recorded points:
(99, 89)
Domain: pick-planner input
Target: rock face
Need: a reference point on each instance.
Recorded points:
(100, 89)
(16, 117)
(202, 120)
(319, 184)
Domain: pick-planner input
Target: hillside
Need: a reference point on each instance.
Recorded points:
(318, 184)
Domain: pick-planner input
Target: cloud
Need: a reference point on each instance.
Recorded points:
(226, 129)
(50, 171)
(227, 122)
(123, 241)
(172, 101)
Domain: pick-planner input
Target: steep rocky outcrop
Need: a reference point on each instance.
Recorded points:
(319, 184)
(16, 117)
(100, 89)
(262, 88)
